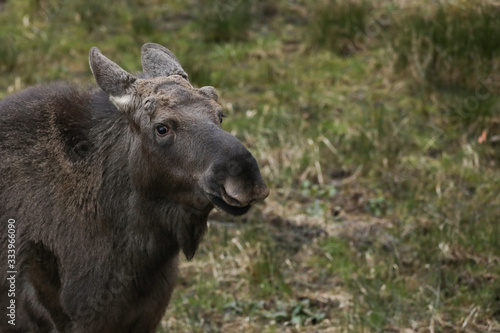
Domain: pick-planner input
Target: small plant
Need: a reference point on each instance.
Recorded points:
(319, 196)
(242, 307)
(315, 190)
(377, 206)
(296, 313)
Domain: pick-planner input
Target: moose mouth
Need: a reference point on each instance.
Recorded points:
(228, 204)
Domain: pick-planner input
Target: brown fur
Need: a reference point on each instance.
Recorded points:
(103, 204)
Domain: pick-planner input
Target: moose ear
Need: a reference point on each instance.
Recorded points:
(109, 76)
(158, 61)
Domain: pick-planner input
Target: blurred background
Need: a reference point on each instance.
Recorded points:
(376, 125)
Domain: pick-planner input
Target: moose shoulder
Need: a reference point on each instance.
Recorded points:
(106, 186)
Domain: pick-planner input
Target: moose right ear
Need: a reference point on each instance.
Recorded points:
(158, 61)
(109, 76)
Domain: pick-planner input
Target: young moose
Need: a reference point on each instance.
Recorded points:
(101, 188)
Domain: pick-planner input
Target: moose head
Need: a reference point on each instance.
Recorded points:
(179, 152)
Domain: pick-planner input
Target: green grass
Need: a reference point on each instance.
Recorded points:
(224, 21)
(440, 49)
(384, 206)
(340, 25)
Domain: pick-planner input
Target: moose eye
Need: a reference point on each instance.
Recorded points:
(162, 130)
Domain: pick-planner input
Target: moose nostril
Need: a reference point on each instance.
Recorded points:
(230, 199)
(238, 198)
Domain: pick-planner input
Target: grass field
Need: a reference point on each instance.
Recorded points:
(376, 126)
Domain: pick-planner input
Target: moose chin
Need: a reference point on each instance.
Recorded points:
(107, 185)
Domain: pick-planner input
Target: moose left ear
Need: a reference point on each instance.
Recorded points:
(109, 76)
(158, 61)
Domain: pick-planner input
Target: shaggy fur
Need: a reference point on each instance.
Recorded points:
(104, 200)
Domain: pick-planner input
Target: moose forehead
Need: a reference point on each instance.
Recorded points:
(176, 94)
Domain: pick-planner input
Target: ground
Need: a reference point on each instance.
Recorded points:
(376, 127)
